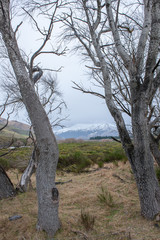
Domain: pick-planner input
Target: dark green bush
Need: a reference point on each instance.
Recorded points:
(75, 162)
(115, 155)
(4, 163)
(17, 158)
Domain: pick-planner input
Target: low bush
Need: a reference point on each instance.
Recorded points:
(18, 158)
(75, 162)
(4, 163)
(100, 164)
(115, 155)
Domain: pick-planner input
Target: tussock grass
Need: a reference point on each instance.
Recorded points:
(105, 197)
(87, 220)
(121, 222)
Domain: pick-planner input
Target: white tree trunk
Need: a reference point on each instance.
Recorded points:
(30, 169)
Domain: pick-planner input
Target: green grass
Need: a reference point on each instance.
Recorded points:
(11, 131)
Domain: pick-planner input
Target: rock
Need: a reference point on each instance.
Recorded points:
(15, 217)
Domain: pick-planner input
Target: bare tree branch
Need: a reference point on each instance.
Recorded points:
(122, 52)
(80, 88)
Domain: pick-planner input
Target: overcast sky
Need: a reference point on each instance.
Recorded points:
(82, 108)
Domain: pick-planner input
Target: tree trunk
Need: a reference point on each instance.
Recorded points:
(48, 196)
(139, 154)
(6, 186)
(47, 149)
(147, 183)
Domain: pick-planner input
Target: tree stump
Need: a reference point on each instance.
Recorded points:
(6, 186)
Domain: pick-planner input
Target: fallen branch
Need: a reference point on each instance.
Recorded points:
(103, 236)
(88, 171)
(81, 233)
(95, 170)
(116, 176)
(63, 182)
(15, 217)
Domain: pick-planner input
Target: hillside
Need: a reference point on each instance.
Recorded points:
(14, 128)
(78, 131)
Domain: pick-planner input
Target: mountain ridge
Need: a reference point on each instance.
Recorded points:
(86, 131)
(77, 131)
(14, 128)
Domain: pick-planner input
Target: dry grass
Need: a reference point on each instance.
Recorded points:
(123, 221)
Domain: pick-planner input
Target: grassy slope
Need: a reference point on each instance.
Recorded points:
(123, 221)
(11, 131)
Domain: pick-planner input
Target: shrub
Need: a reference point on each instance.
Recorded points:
(18, 158)
(4, 163)
(100, 164)
(75, 162)
(115, 154)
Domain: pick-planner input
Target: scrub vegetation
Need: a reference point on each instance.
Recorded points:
(74, 157)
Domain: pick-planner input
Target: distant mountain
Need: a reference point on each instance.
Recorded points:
(86, 131)
(78, 131)
(14, 128)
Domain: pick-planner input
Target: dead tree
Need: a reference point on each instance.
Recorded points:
(123, 50)
(47, 149)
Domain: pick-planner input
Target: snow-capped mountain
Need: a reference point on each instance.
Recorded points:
(86, 131)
